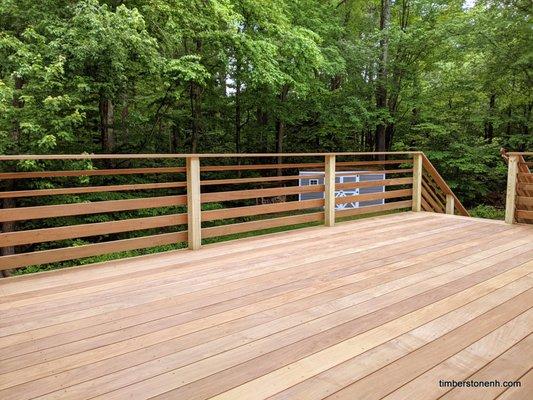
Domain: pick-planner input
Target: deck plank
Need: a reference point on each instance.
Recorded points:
(508, 367)
(363, 318)
(356, 278)
(522, 392)
(403, 370)
(64, 327)
(424, 387)
(441, 242)
(162, 335)
(255, 267)
(469, 360)
(101, 272)
(296, 372)
(398, 300)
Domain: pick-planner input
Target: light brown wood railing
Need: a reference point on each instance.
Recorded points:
(519, 198)
(436, 194)
(200, 196)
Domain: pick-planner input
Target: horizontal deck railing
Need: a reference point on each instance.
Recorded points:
(519, 198)
(77, 206)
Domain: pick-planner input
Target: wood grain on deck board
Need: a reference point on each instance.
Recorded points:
(378, 308)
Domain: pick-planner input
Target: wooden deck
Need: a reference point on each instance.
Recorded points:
(378, 308)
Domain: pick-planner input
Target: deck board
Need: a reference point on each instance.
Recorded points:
(381, 307)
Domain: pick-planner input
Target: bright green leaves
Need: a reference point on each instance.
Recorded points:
(114, 46)
(186, 69)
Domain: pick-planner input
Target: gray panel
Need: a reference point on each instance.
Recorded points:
(304, 181)
(347, 179)
(370, 203)
(372, 177)
(311, 196)
(373, 189)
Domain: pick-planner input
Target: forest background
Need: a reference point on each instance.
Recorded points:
(451, 78)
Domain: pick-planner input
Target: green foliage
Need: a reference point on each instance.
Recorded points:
(177, 72)
(489, 212)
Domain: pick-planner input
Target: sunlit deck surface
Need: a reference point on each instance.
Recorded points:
(370, 309)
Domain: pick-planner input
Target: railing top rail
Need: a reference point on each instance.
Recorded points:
(520, 153)
(200, 155)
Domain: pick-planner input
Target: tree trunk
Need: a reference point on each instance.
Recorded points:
(238, 123)
(174, 138)
(335, 83)
(527, 117)
(489, 126)
(389, 136)
(262, 121)
(508, 126)
(125, 137)
(9, 226)
(196, 110)
(280, 125)
(107, 125)
(381, 84)
(196, 113)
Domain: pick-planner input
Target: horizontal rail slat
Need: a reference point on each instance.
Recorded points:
(376, 171)
(380, 162)
(375, 196)
(260, 209)
(230, 229)
(62, 210)
(382, 182)
(232, 181)
(397, 205)
(89, 250)
(173, 156)
(90, 172)
(524, 214)
(91, 189)
(524, 186)
(86, 230)
(212, 168)
(253, 193)
(524, 201)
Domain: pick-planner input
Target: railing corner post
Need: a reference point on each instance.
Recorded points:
(510, 198)
(450, 204)
(194, 205)
(329, 190)
(417, 182)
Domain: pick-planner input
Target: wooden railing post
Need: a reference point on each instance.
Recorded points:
(329, 190)
(417, 182)
(510, 198)
(194, 205)
(450, 204)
